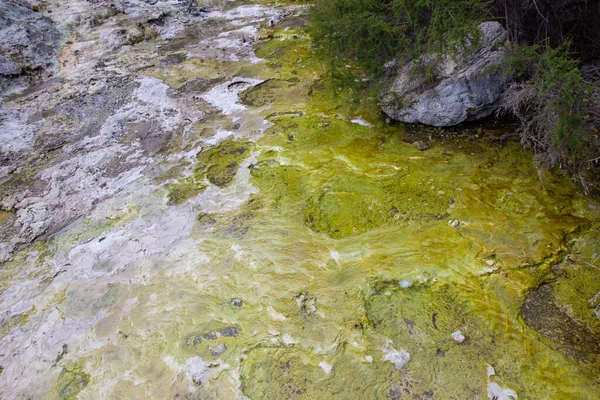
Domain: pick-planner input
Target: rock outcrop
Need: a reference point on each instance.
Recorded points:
(30, 42)
(451, 91)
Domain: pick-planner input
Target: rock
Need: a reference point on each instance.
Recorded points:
(237, 302)
(495, 391)
(454, 91)
(197, 370)
(8, 67)
(421, 145)
(544, 313)
(30, 42)
(454, 223)
(306, 304)
(326, 367)
(230, 332)
(458, 337)
(5, 252)
(121, 36)
(218, 350)
(398, 357)
(405, 284)
(152, 8)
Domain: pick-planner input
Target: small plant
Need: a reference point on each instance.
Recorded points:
(548, 99)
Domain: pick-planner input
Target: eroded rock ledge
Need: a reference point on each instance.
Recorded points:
(444, 91)
(30, 42)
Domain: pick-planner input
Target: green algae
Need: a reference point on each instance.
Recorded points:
(347, 180)
(217, 165)
(281, 183)
(14, 321)
(381, 211)
(422, 319)
(71, 383)
(354, 196)
(235, 224)
(351, 205)
(554, 320)
(563, 309)
(220, 163)
(286, 373)
(185, 189)
(265, 93)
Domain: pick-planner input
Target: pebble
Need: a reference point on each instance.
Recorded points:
(458, 337)
(398, 357)
(218, 350)
(405, 284)
(237, 302)
(326, 367)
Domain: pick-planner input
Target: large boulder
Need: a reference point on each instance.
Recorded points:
(29, 41)
(445, 91)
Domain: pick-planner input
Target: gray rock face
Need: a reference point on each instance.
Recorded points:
(455, 91)
(152, 7)
(30, 41)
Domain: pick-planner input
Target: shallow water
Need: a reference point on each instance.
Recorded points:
(293, 245)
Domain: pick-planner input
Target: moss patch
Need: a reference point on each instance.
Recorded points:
(215, 164)
(184, 190)
(14, 321)
(5, 216)
(220, 163)
(351, 205)
(265, 93)
(71, 383)
(234, 224)
(422, 319)
(291, 373)
(187, 72)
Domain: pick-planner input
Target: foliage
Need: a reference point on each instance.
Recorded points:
(552, 22)
(549, 98)
(372, 32)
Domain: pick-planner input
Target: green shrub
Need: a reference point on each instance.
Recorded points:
(372, 32)
(548, 99)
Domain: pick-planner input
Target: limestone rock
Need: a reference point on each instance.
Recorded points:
(454, 91)
(30, 41)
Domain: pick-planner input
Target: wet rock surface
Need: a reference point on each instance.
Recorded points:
(29, 46)
(442, 91)
(544, 313)
(189, 211)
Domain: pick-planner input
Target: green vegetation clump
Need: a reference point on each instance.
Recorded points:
(373, 32)
(352, 205)
(221, 163)
(183, 190)
(264, 93)
(549, 99)
(217, 165)
(292, 373)
(70, 383)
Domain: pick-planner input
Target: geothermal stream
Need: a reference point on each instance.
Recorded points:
(190, 212)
